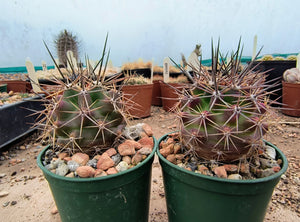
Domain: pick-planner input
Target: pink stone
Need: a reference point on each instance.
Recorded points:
(171, 158)
(276, 168)
(80, 158)
(111, 171)
(134, 144)
(179, 156)
(147, 129)
(231, 168)
(111, 151)
(105, 162)
(220, 172)
(127, 159)
(146, 142)
(167, 150)
(137, 158)
(85, 171)
(100, 173)
(125, 149)
(177, 148)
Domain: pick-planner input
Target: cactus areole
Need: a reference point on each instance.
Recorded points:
(222, 114)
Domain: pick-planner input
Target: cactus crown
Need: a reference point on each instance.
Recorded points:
(87, 114)
(65, 42)
(222, 112)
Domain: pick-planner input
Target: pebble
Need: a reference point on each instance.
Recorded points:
(220, 172)
(2, 175)
(73, 165)
(116, 158)
(122, 166)
(62, 169)
(127, 159)
(167, 150)
(177, 148)
(235, 177)
(126, 149)
(54, 210)
(146, 142)
(105, 162)
(111, 171)
(172, 158)
(147, 129)
(85, 171)
(137, 158)
(203, 170)
(5, 204)
(3, 193)
(111, 151)
(145, 151)
(265, 173)
(100, 173)
(267, 163)
(13, 203)
(92, 163)
(81, 158)
(271, 152)
(71, 174)
(231, 168)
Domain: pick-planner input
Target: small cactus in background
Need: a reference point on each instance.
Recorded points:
(292, 75)
(65, 42)
(222, 114)
(87, 114)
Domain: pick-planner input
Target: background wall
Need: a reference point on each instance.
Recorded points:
(146, 29)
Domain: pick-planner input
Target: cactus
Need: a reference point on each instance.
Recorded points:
(65, 42)
(87, 114)
(222, 113)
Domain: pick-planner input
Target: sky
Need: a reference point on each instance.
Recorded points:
(147, 29)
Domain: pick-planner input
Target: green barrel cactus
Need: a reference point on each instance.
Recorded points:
(87, 114)
(222, 113)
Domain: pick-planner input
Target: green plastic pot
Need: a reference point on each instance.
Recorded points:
(120, 197)
(195, 197)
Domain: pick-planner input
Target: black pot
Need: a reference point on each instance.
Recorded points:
(16, 120)
(274, 71)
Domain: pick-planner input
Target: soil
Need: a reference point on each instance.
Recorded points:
(26, 195)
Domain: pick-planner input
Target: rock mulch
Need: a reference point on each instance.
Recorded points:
(125, 155)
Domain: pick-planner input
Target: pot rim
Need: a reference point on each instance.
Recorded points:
(254, 181)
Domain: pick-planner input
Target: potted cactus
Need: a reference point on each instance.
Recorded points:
(97, 166)
(215, 166)
(291, 92)
(137, 94)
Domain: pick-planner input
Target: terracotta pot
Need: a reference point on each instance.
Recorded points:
(17, 85)
(138, 99)
(291, 98)
(169, 96)
(156, 94)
